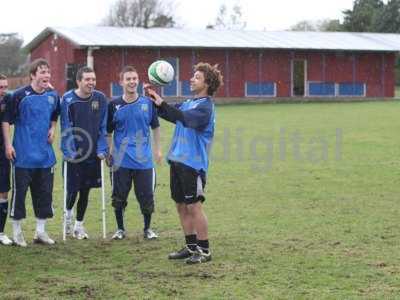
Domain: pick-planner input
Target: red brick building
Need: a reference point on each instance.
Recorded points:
(254, 63)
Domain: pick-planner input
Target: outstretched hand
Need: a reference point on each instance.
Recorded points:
(153, 94)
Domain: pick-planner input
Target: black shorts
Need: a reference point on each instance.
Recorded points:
(83, 175)
(40, 183)
(4, 175)
(144, 181)
(187, 184)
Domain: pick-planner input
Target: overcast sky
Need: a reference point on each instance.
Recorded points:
(30, 17)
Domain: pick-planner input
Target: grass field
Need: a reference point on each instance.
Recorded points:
(302, 199)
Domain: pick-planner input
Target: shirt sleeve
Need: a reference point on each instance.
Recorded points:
(67, 144)
(154, 123)
(198, 117)
(110, 117)
(10, 114)
(195, 118)
(170, 113)
(56, 112)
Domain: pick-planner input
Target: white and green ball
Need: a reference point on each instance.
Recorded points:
(160, 72)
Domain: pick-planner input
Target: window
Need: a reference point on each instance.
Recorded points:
(259, 89)
(351, 89)
(321, 88)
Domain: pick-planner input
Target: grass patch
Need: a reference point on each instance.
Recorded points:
(302, 202)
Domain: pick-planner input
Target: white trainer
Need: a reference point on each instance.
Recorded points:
(119, 235)
(79, 233)
(4, 240)
(149, 234)
(43, 238)
(19, 240)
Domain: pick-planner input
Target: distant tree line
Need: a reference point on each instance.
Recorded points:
(365, 16)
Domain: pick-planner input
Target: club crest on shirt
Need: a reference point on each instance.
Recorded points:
(68, 99)
(145, 107)
(95, 105)
(51, 100)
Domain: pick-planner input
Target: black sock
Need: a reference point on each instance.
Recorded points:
(119, 215)
(147, 221)
(204, 245)
(82, 204)
(191, 240)
(3, 215)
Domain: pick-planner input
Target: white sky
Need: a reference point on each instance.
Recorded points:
(29, 17)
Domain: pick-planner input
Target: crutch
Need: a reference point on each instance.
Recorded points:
(103, 199)
(65, 202)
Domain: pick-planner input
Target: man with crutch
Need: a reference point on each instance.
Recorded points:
(84, 146)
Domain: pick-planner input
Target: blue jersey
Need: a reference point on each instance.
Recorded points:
(32, 114)
(83, 126)
(192, 138)
(131, 124)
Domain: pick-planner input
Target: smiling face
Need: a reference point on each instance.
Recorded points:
(198, 86)
(86, 84)
(130, 82)
(40, 80)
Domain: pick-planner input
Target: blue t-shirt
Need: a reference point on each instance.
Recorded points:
(192, 139)
(131, 124)
(83, 126)
(32, 114)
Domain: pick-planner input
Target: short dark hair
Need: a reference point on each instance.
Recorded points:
(39, 62)
(3, 77)
(212, 76)
(82, 70)
(126, 69)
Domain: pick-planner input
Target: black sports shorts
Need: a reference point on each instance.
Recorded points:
(187, 184)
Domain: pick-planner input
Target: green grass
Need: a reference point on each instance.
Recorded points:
(317, 220)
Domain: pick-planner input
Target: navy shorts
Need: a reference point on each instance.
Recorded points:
(4, 175)
(187, 184)
(144, 181)
(83, 175)
(40, 183)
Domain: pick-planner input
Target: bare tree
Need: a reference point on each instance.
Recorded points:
(140, 13)
(12, 57)
(225, 20)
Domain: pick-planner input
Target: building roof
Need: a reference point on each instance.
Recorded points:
(102, 36)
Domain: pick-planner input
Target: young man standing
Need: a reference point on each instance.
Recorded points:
(33, 110)
(188, 158)
(4, 166)
(130, 118)
(83, 144)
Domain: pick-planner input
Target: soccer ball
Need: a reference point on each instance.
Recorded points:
(160, 72)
